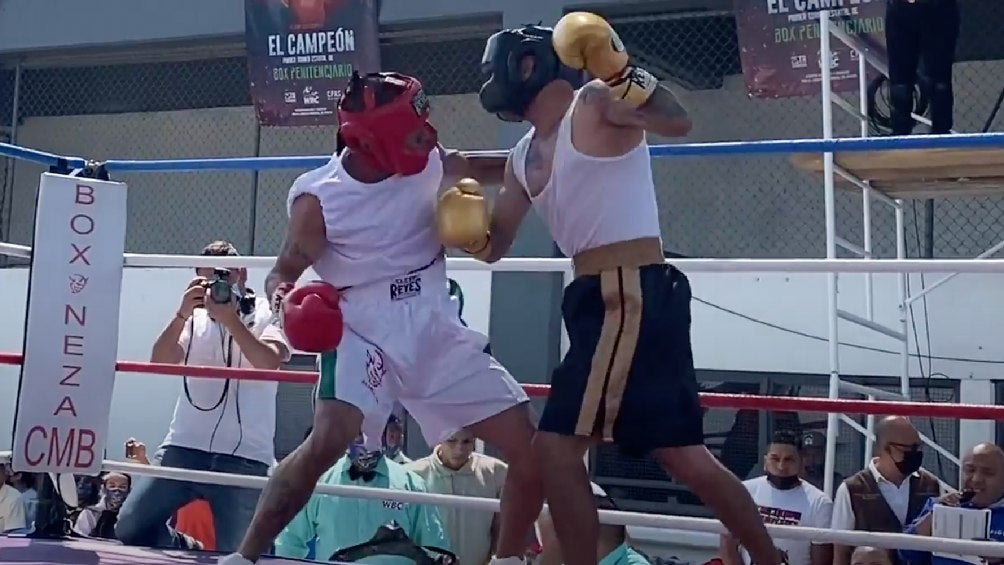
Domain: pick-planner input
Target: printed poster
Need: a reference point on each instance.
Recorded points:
(780, 50)
(301, 53)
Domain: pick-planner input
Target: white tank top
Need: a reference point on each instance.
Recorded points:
(593, 201)
(375, 231)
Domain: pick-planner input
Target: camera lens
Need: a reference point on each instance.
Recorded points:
(220, 292)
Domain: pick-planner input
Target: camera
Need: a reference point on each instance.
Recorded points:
(220, 290)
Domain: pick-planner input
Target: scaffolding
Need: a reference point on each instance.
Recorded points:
(869, 194)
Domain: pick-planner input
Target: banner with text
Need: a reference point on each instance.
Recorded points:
(780, 50)
(301, 54)
(71, 326)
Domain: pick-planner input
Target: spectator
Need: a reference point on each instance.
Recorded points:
(26, 483)
(218, 425)
(890, 492)
(983, 485)
(194, 519)
(814, 459)
(613, 546)
(98, 520)
(12, 515)
(393, 440)
(784, 498)
(865, 555)
(454, 468)
(333, 523)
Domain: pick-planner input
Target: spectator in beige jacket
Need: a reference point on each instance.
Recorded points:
(454, 468)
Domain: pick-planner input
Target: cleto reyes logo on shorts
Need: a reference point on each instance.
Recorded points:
(406, 287)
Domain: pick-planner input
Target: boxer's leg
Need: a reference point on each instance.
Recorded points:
(465, 387)
(570, 423)
(656, 407)
(338, 416)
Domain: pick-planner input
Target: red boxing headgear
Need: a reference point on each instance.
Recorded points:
(378, 132)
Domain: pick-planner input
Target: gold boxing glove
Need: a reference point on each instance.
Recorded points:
(462, 218)
(586, 41)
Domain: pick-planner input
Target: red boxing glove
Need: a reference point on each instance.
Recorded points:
(312, 319)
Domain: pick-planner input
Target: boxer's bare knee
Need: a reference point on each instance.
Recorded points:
(557, 450)
(691, 465)
(510, 431)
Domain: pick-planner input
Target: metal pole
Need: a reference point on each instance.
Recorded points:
(253, 220)
(869, 436)
(832, 420)
(866, 191)
(904, 381)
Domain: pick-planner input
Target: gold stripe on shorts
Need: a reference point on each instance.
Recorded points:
(611, 363)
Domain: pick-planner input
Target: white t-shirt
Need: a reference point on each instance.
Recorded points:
(804, 505)
(244, 422)
(12, 515)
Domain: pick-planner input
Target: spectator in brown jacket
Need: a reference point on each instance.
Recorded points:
(890, 492)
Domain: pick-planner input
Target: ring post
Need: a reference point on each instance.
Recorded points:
(70, 335)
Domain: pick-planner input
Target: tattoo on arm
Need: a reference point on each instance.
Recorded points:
(664, 103)
(595, 93)
(292, 261)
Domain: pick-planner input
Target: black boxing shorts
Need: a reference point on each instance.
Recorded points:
(628, 375)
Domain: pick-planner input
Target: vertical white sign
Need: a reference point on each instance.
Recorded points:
(71, 329)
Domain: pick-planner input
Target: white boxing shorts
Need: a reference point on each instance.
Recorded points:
(404, 342)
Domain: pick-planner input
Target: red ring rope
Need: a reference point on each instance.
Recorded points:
(708, 399)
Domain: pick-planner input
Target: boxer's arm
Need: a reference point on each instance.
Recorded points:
(662, 114)
(306, 237)
(507, 214)
(456, 166)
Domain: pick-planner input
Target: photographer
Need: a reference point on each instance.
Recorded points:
(221, 425)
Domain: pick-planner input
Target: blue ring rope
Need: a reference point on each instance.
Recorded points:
(764, 147)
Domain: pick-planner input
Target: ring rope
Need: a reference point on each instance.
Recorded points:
(843, 537)
(535, 265)
(762, 147)
(708, 399)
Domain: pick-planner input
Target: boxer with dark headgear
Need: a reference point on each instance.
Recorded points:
(367, 224)
(628, 376)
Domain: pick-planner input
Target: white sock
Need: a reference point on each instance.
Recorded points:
(234, 559)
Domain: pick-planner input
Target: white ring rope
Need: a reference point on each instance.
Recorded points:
(536, 264)
(842, 537)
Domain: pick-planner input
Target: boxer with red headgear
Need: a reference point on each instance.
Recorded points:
(372, 223)
(393, 137)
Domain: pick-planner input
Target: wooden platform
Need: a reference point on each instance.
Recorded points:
(918, 173)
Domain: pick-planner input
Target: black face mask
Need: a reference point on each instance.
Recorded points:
(783, 483)
(911, 463)
(815, 470)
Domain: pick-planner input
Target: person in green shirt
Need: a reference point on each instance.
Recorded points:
(331, 523)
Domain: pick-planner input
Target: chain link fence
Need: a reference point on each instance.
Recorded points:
(743, 206)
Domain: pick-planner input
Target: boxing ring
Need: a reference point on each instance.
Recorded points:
(36, 550)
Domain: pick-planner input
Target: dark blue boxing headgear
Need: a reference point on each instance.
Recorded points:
(505, 92)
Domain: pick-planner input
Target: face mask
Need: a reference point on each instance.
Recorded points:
(783, 483)
(114, 497)
(912, 460)
(363, 460)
